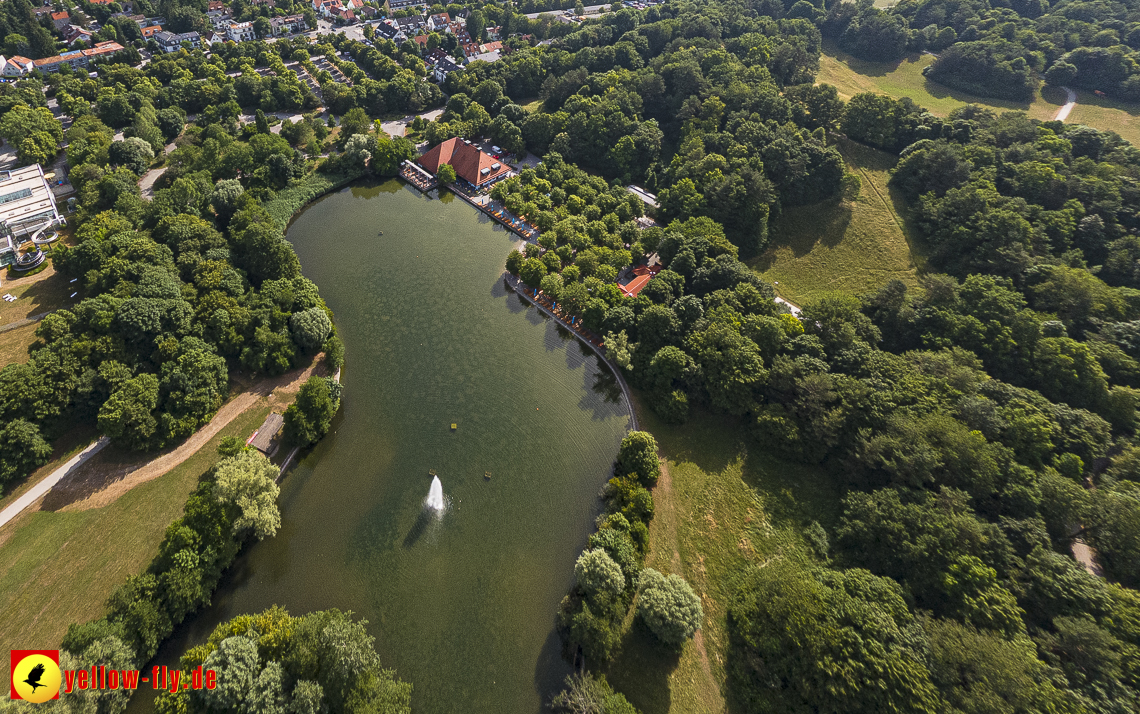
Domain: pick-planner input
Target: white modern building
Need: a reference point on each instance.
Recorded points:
(27, 204)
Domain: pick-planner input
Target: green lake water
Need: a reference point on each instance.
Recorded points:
(461, 606)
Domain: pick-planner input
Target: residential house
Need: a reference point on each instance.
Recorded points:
(287, 25)
(391, 6)
(212, 38)
(439, 23)
(470, 164)
(74, 33)
(445, 67)
(149, 32)
(369, 12)
(170, 42)
(17, 66)
(101, 49)
(495, 33)
(422, 41)
(213, 5)
(49, 65)
(410, 25)
(240, 31)
(433, 57)
(76, 59)
(387, 31)
(219, 19)
(61, 20)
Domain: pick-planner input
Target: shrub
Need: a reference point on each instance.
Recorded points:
(598, 575)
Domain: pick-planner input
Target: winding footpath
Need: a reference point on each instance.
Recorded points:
(35, 492)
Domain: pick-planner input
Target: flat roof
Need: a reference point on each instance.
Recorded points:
(24, 197)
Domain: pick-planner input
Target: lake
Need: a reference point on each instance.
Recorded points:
(462, 606)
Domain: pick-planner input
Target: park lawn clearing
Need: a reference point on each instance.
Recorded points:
(35, 294)
(848, 246)
(14, 344)
(903, 78)
(1105, 113)
(721, 506)
(59, 568)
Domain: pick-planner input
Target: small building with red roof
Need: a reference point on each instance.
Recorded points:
(470, 163)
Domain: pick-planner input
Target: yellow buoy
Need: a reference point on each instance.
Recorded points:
(454, 427)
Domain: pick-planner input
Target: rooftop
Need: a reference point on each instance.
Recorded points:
(26, 200)
(470, 164)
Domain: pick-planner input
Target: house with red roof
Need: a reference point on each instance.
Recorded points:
(470, 163)
(60, 20)
(642, 275)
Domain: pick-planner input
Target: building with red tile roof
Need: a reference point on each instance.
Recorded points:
(60, 19)
(634, 286)
(470, 164)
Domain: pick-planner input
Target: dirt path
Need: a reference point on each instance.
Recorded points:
(288, 383)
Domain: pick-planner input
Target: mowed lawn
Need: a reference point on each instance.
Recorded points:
(729, 506)
(904, 78)
(849, 246)
(58, 568)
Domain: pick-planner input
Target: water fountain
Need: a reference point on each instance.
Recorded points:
(435, 495)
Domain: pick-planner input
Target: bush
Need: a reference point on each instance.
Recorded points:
(668, 605)
(334, 353)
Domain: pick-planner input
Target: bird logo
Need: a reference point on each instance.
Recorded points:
(35, 675)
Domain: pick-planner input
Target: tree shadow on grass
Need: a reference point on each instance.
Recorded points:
(941, 91)
(642, 668)
(794, 494)
(804, 228)
(866, 67)
(710, 441)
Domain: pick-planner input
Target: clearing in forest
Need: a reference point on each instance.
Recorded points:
(849, 246)
(721, 505)
(903, 78)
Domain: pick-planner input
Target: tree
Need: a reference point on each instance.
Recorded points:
(247, 483)
(224, 198)
(22, 122)
(355, 121)
(792, 632)
(637, 456)
(309, 417)
(668, 605)
(22, 450)
(133, 153)
(532, 272)
(589, 694)
(446, 174)
(476, 23)
(310, 328)
(597, 575)
(127, 416)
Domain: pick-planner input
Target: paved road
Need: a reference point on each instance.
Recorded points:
(1070, 102)
(45, 485)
